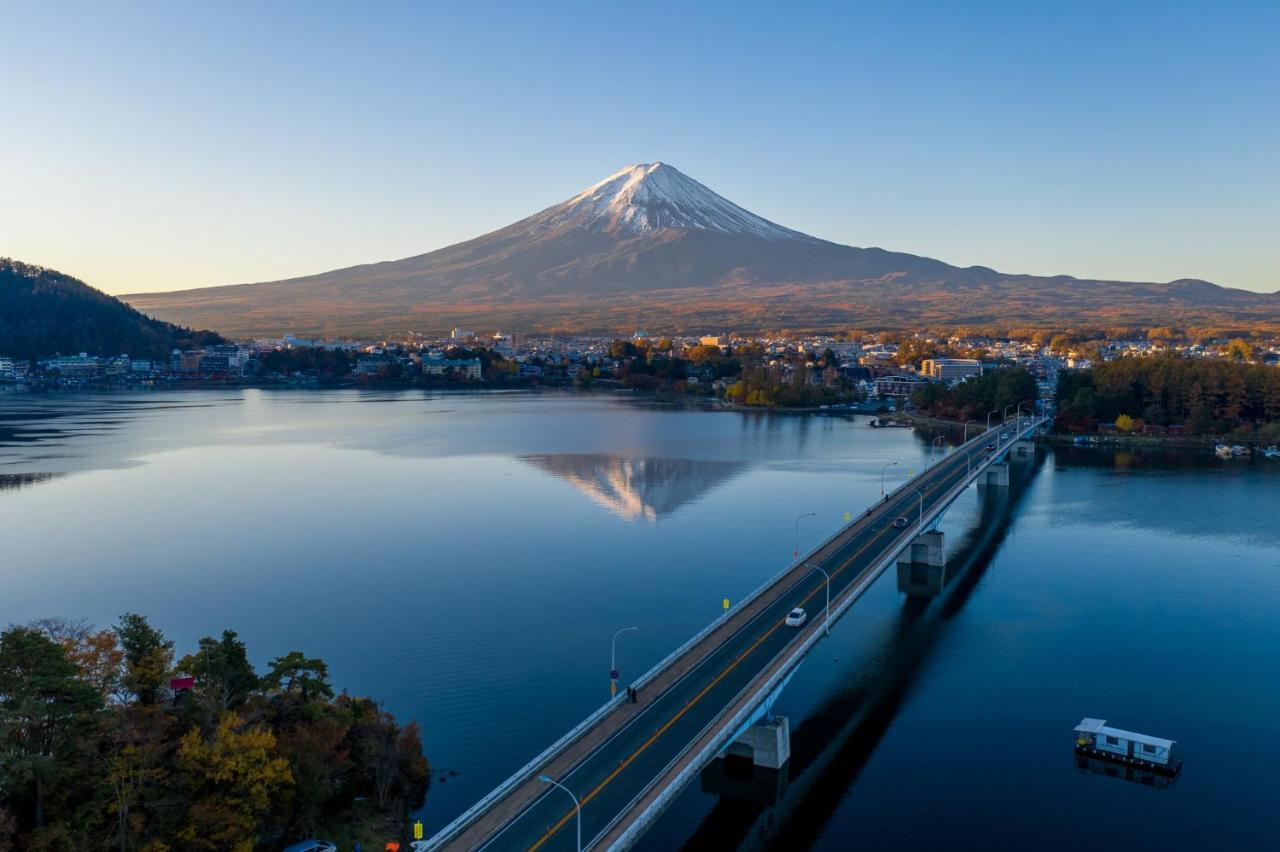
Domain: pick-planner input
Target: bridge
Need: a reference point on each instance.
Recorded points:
(602, 784)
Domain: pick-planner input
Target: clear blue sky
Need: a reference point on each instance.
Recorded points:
(164, 146)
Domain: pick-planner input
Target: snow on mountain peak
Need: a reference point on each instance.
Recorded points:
(652, 196)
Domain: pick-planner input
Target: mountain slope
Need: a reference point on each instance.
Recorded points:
(43, 312)
(650, 246)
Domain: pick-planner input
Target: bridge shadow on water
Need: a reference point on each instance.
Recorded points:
(762, 809)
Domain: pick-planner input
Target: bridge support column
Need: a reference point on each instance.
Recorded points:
(927, 549)
(1023, 448)
(922, 566)
(768, 740)
(997, 475)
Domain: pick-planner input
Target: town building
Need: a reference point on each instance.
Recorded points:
(951, 369)
(74, 366)
(898, 385)
(471, 368)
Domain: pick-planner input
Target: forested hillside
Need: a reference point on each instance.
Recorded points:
(44, 312)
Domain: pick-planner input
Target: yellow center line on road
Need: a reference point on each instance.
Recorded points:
(564, 820)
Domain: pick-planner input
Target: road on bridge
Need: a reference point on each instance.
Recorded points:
(612, 775)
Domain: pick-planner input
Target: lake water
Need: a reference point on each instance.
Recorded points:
(466, 558)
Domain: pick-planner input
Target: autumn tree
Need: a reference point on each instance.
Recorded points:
(1239, 349)
(230, 777)
(96, 655)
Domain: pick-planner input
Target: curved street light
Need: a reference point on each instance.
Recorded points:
(882, 470)
(577, 806)
(920, 520)
(997, 411)
(966, 429)
(796, 552)
(931, 445)
(613, 659)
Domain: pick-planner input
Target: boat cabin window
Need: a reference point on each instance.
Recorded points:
(1147, 747)
(1112, 740)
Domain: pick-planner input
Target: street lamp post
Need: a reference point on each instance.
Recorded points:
(966, 429)
(826, 619)
(613, 659)
(989, 419)
(931, 446)
(882, 470)
(577, 806)
(920, 520)
(796, 552)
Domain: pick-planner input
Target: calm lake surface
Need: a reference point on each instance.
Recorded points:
(466, 558)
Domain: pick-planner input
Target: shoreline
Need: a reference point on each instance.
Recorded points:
(1113, 440)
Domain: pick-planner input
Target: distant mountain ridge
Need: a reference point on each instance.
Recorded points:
(44, 312)
(651, 246)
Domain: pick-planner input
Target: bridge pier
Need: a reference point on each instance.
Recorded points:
(997, 475)
(1024, 448)
(926, 549)
(921, 581)
(767, 743)
(922, 565)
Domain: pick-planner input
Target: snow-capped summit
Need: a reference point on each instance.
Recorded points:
(650, 246)
(649, 197)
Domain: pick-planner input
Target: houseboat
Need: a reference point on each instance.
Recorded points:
(1223, 451)
(1094, 739)
(1272, 452)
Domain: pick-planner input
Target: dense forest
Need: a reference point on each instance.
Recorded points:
(974, 398)
(97, 750)
(43, 312)
(1206, 396)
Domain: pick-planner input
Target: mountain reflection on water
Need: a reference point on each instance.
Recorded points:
(637, 487)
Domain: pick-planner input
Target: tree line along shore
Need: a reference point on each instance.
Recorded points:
(108, 741)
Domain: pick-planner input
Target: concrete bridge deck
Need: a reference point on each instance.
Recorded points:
(627, 761)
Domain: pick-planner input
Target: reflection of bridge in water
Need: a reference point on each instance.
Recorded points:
(627, 762)
(788, 809)
(636, 487)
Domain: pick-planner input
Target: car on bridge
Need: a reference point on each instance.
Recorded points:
(901, 523)
(991, 448)
(1004, 436)
(797, 617)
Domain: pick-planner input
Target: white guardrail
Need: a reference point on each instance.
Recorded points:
(526, 772)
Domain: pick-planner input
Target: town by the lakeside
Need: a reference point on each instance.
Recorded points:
(949, 378)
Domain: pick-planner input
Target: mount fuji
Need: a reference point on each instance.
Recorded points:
(651, 246)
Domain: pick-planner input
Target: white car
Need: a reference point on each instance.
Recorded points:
(1004, 436)
(797, 617)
